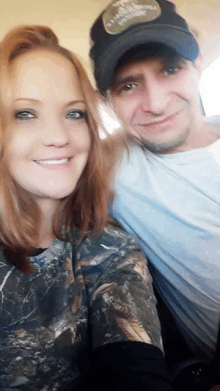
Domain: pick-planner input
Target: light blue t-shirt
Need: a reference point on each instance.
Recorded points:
(171, 204)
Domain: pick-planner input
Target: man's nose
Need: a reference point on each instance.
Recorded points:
(154, 98)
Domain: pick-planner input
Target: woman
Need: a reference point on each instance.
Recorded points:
(63, 321)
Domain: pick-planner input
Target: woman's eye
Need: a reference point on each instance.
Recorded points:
(24, 114)
(76, 114)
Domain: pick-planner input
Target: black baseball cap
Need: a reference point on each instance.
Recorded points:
(125, 24)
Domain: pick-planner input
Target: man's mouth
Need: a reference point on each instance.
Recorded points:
(159, 123)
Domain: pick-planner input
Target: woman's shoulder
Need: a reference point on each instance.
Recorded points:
(110, 250)
(111, 240)
(117, 236)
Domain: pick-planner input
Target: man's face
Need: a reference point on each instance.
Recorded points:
(158, 97)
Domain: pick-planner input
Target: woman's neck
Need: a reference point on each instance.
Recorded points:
(46, 235)
(46, 240)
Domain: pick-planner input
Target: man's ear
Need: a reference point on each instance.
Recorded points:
(198, 63)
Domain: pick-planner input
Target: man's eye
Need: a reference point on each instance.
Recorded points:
(123, 88)
(172, 69)
(128, 87)
(24, 114)
(76, 114)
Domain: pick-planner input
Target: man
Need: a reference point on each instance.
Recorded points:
(147, 63)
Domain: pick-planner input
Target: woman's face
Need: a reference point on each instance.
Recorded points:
(48, 139)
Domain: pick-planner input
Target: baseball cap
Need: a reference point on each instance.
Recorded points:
(125, 24)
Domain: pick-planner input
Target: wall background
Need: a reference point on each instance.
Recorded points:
(71, 21)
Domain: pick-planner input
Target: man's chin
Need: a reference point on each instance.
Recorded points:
(162, 146)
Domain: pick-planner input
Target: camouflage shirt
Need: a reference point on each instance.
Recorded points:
(51, 320)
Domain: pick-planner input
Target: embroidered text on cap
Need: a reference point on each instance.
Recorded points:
(122, 14)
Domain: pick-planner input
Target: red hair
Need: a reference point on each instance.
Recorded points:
(87, 207)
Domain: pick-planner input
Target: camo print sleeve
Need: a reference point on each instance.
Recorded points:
(47, 318)
(121, 299)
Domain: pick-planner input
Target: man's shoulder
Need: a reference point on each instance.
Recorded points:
(213, 130)
(214, 119)
(133, 159)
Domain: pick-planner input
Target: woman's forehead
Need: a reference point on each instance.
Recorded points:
(40, 73)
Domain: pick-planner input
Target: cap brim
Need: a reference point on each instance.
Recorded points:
(175, 38)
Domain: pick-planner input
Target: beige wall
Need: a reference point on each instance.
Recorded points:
(71, 20)
(205, 16)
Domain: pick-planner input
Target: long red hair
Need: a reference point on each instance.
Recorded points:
(87, 208)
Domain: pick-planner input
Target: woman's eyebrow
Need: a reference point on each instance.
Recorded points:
(73, 102)
(36, 101)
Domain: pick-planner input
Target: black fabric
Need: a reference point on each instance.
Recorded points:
(186, 372)
(194, 375)
(175, 347)
(38, 251)
(130, 366)
(217, 359)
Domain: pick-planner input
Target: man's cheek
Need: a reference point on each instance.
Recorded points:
(122, 111)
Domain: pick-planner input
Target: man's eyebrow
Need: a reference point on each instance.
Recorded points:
(174, 60)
